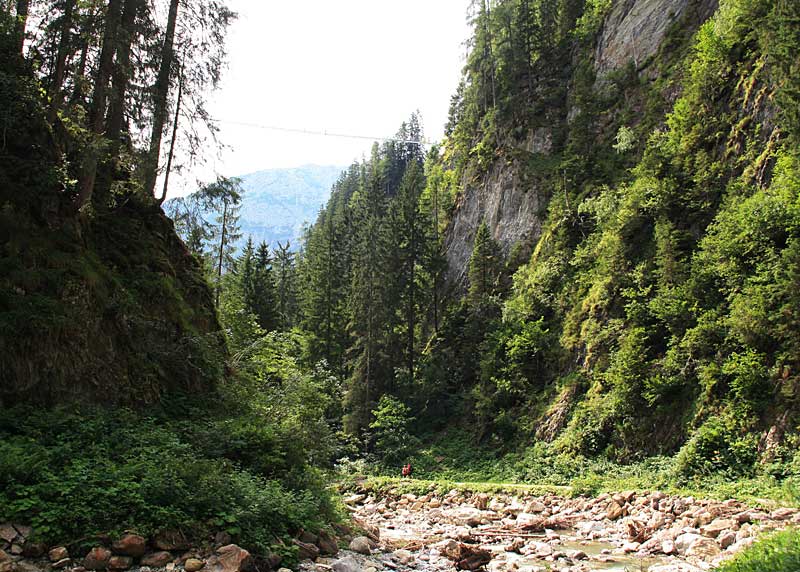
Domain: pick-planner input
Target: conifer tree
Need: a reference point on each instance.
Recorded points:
(484, 269)
(285, 271)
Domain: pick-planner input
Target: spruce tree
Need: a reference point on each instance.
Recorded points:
(484, 269)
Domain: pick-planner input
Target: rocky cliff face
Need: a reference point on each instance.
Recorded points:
(512, 202)
(103, 307)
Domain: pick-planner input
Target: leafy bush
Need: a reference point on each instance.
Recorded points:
(779, 552)
(390, 430)
(76, 473)
(719, 445)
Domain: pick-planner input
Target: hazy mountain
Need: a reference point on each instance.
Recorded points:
(278, 202)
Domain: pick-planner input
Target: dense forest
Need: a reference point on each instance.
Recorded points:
(592, 281)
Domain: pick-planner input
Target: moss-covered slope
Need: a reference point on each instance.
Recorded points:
(104, 307)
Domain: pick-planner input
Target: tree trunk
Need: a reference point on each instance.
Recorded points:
(61, 61)
(121, 74)
(22, 21)
(99, 96)
(174, 137)
(160, 101)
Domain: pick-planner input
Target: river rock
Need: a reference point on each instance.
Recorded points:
(542, 549)
(130, 545)
(120, 562)
(6, 564)
(726, 538)
(703, 548)
(614, 511)
(668, 547)
(229, 558)
(782, 513)
(63, 563)
(327, 543)
(714, 528)
(535, 506)
(675, 567)
(157, 559)
(577, 555)
(685, 541)
(8, 532)
(306, 550)
(97, 559)
(361, 545)
(450, 548)
(194, 564)
(346, 564)
(403, 556)
(629, 547)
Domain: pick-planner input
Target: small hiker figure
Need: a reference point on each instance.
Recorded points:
(406, 470)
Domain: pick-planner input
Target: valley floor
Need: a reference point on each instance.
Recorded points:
(518, 530)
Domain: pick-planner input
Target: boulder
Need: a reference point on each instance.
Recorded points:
(726, 538)
(327, 543)
(120, 562)
(542, 549)
(629, 547)
(403, 556)
(685, 541)
(8, 532)
(97, 559)
(361, 545)
(449, 548)
(229, 558)
(58, 553)
(675, 567)
(535, 506)
(783, 513)
(346, 564)
(157, 559)
(473, 558)
(703, 548)
(668, 547)
(130, 545)
(577, 555)
(306, 550)
(481, 501)
(715, 527)
(614, 511)
(194, 564)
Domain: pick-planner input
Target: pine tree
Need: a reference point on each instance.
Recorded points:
(484, 269)
(285, 271)
(222, 198)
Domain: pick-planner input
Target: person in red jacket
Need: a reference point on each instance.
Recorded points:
(406, 472)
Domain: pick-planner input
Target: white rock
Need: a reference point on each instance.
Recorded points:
(346, 564)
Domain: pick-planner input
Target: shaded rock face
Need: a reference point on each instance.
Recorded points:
(514, 206)
(634, 30)
(510, 207)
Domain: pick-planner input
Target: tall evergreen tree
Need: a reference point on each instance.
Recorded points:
(285, 272)
(484, 269)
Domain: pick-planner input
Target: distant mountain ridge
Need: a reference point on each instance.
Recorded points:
(277, 203)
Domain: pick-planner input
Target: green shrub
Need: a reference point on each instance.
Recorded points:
(718, 446)
(77, 473)
(779, 552)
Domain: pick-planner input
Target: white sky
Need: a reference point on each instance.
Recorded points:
(348, 66)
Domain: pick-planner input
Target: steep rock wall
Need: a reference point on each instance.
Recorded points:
(513, 203)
